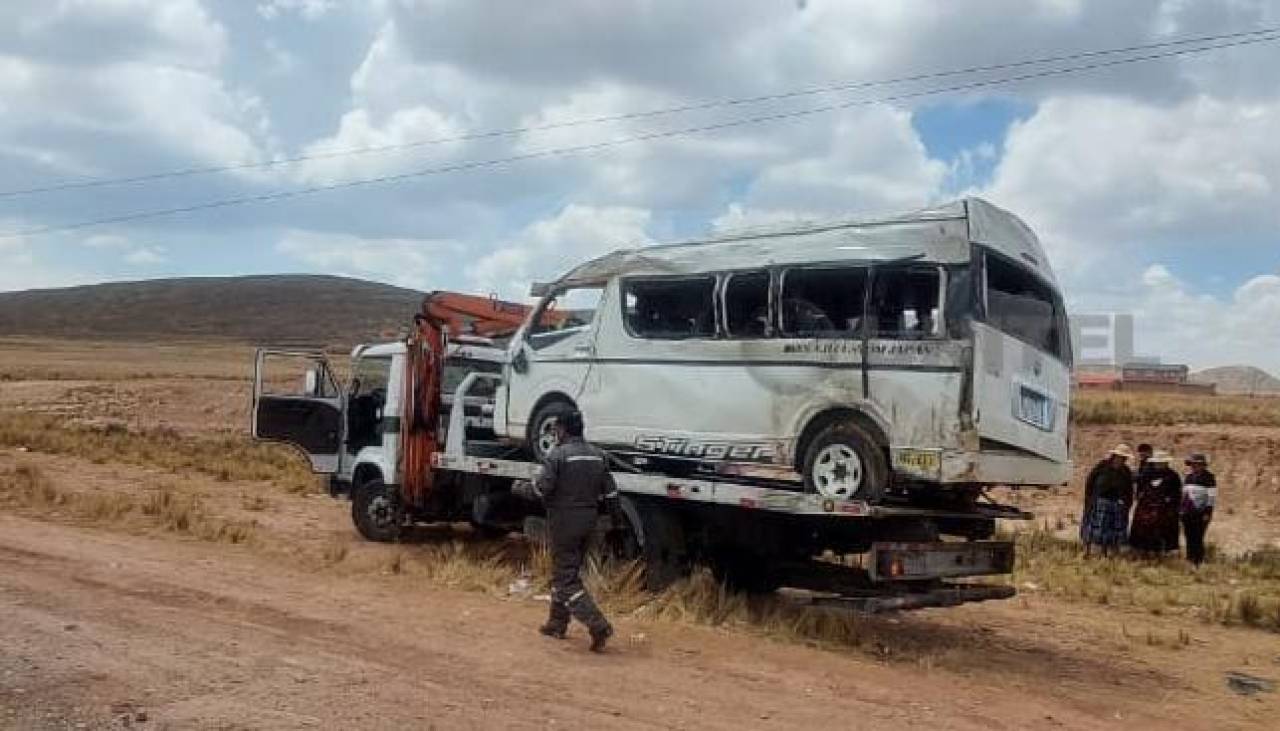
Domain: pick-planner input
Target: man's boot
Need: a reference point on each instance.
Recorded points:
(585, 610)
(558, 623)
(600, 637)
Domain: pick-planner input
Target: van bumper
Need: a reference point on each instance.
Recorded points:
(963, 467)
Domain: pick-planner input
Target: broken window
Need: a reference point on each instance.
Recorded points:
(906, 302)
(1022, 305)
(824, 302)
(670, 308)
(746, 305)
(569, 312)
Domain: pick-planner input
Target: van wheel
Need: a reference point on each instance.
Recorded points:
(542, 435)
(844, 462)
(377, 512)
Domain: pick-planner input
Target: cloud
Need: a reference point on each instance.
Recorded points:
(411, 263)
(1182, 324)
(1112, 184)
(147, 255)
(307, 9)
(547, 248)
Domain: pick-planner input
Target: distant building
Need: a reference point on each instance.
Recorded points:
(1105, 361)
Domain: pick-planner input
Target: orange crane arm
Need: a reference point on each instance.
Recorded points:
(469, 314)
(444, 315)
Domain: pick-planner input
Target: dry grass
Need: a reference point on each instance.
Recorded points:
(1166, 409)
(222, 457)
(1242, 590)
(164, 507)
(43, 359)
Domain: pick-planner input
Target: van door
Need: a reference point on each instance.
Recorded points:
(1021, 370)
(551, 355)
(296, 401)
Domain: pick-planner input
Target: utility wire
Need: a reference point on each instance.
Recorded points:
(647, 114)
(592, 147)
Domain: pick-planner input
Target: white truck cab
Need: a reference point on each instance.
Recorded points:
(352, 432)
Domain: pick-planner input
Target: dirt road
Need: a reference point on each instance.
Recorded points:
(102, 630)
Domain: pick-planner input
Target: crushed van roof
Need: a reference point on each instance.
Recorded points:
(942, 233)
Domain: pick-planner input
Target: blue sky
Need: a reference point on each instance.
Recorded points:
(1155, 187)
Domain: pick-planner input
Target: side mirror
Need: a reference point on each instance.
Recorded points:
(539, 289)
(311, 382)
(520, 361)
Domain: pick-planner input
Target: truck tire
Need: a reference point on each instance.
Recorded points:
(844, 462)
(541, 437)
(662, 543)
(377, 512)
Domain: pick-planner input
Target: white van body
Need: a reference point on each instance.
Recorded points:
(939, 335)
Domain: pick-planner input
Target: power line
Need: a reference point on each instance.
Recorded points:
(596, 146)
(629, 116)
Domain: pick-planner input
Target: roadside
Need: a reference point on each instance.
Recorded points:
(303, 626)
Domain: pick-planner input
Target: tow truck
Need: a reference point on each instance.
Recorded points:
(403, 453)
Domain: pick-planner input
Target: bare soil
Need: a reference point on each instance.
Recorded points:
(124, 623)
(101, 625)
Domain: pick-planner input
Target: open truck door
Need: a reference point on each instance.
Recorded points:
(296, 401)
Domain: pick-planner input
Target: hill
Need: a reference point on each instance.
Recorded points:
(1239, 379)
(311, 309)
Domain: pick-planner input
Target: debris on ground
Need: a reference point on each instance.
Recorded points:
(1246, 684)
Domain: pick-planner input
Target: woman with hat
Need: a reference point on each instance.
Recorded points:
(1155, 517)
(1108, 493)
(1199, 493)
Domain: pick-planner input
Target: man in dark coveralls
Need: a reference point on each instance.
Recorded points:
(575, 485)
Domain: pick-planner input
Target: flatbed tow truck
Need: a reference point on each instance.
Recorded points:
(390, 443)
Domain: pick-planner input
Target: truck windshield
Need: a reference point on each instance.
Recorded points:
(1020, 304)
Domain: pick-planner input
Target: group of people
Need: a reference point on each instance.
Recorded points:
(1147, 506)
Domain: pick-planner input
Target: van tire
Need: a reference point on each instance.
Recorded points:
(377, 511)
(844, 462)
(539, 427)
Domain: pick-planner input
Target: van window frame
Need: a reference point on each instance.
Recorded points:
(982, 254)
(716, 325)
(722, 300)
(783, 271)
(939, 326)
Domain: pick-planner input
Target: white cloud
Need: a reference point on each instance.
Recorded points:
(147, 255)
(1185, 325)
(547, 248)
(307, 9)
(1101, 173)
(412, 263)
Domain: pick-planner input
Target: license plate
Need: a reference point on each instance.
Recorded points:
(919, 461)
(1034, 408)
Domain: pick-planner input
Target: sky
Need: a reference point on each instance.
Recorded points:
(1155, 187)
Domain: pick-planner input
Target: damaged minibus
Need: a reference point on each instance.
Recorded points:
(916, 357)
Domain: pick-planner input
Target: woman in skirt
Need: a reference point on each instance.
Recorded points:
(1155, 515)
(1108, 495)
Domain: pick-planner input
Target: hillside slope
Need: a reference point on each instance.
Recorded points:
(311, 309)
(1239, 379)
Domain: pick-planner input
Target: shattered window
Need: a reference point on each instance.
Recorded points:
(1021, 305)
(670, 308)
(825, 302)
(906, 302)
(569, 313)
(746, 305)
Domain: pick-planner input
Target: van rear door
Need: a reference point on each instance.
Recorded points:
(296, 401)
(1022, 376)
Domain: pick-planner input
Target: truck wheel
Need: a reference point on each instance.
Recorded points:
(377, 512)
(661, 539)
(542, 436)
(844, 462)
